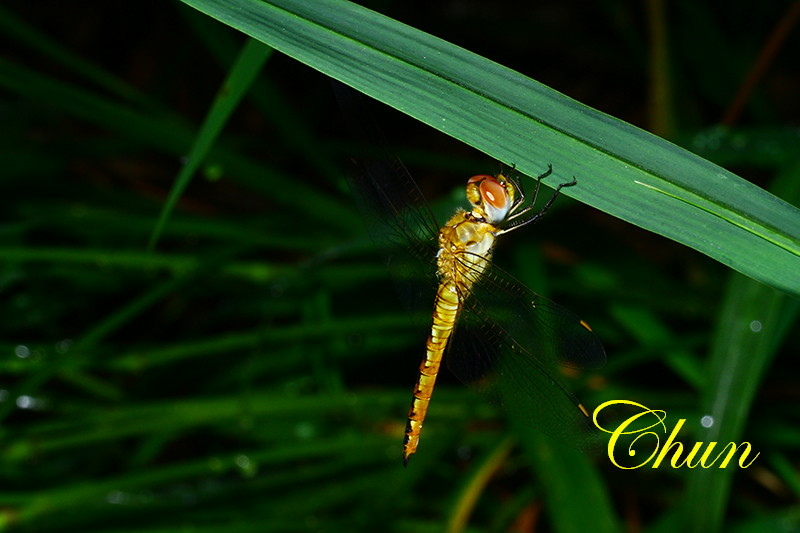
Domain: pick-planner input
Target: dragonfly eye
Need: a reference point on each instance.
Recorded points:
(510, 188)
(496, 201)
(474, 192)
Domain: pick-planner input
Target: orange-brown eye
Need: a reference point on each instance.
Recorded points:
(494, 193)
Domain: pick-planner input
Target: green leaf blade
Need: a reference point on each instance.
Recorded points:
(521, 122)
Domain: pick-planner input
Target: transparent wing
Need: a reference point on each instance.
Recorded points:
(509, 345)
(397, 216)
(401, 224)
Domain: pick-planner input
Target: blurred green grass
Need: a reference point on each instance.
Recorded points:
(252, 371)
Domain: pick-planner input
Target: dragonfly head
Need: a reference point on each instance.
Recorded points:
(491, 196)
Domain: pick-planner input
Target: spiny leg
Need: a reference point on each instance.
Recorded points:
(533, 217)
(521, 191)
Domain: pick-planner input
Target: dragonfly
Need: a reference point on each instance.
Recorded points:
(495, 334)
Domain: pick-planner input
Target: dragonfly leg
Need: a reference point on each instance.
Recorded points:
(521, 192)
(526, 216)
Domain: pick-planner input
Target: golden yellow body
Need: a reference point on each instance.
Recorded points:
(465, 247)
(511, 336)
(465, 250)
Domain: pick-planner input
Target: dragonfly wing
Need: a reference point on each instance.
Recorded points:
(551, 332)
(397, 216)
(401, 224)
(509, 345)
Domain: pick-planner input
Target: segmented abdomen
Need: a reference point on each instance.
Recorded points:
(445, 311)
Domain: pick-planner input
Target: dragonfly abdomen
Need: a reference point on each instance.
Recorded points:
(445, 311)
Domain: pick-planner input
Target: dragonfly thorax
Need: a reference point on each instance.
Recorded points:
(477, 237)
(465, 248)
